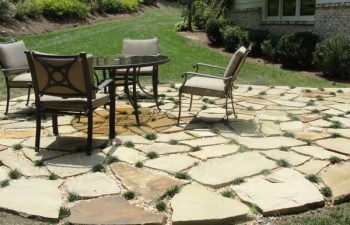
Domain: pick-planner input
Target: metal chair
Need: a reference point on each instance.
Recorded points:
(207, 85)
(15, 68)
(65, 85)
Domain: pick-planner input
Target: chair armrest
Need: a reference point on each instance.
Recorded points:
(104, 84)
(197, 65)
(194, 74)
(15, 71)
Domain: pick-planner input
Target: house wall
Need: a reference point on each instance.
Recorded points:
(330, 18)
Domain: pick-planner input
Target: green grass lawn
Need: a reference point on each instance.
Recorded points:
(105, 38)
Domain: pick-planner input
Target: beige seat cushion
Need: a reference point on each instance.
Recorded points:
(204, 86)
(143, 70)
(235, 62)
(12, 55)
(21, 80)
(72, 104)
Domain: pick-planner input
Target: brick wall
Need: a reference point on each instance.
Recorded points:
(330, 20)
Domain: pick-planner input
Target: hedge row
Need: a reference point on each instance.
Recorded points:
(66, 9)
(293, 50)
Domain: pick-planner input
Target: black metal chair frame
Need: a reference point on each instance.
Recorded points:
(88, 87)
(14, 71)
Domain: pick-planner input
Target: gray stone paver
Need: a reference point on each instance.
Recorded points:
(257, 133)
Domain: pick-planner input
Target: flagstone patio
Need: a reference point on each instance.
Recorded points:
(276, 157)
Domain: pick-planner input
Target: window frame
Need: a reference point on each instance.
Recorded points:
(280, 16)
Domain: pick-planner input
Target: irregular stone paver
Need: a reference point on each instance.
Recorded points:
(2, 147)
(320, 123)
(221, 172)
(27, 168)
(292, 126)
(270, 128)
(10, 142)
(179, 136)
(273, 115)
(341, 107)
(310, 135)
(290, 103)
(251, 105)
(171, 163)
(318, 152)
(246, 128)
(42, 154)
(119, 212)
(340, 145)
(201, 133)
(74, 164)
(92, 185)
(333, 112)
(197, 205)
(342, 132)
(312, 167)
(3, 173)
(150, 185)
(345, 122)
(268, 142)
(205, 141)
(309, 117)
(163, 148)
(215, 151)
(292, 157)
(125, 154)
(284, 191)
(337, 177)
(136, 139)
(36, 197)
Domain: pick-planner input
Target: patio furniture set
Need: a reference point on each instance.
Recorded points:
(65, 84)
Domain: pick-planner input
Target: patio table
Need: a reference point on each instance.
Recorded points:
(132, 65)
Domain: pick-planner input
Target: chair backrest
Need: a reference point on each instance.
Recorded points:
(62, 75)
(236, 62)
(12, 55)
(140, 47)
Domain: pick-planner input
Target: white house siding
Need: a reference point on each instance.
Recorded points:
(331, 18)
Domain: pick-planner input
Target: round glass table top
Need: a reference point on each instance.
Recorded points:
(122, 61)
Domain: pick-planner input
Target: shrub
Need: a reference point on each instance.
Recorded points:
(71, 9)
(111, 6)
(213, 30)
(29, 8)
(130, 5)
(6, 9)
(201, 14)
(332, 56)
(234, 37)
(268, 48)
(149, 2)
(181, 26)
(257, 37)
(296, 49)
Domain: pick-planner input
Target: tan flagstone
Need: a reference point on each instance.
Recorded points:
(305, 118)
(163, 148)
(291, 157)
(320, 123)
(171, 163)
(197, 205)
(333, 112)
(270, 128)
(150, 185)
(125, 154)
(205, 141)
(292, 126)
(345, 122)
(246, 127)
(174, 136)
(337, 177)
(215, 151)
(273, 115)
(251, 105)
(317, 152)
(10, 142)
(340, 145)
(268, 142)
(342, 132)
(283, 192)
(3, 173)
(310, 135)
(290, 103)
(341, 107)
(136, 139)
(312, 167)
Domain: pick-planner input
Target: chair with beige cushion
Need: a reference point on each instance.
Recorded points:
(14, 66)
(207, 85)
(144, 47)
(65, 85)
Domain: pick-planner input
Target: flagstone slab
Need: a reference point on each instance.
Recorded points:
(10, 142)
(305, 118)
(283, 192)
(197, 205)
(320, 123)
(199, 133)
(268, 142)
(74, 164)
(251, 105)
(3, 173)
(289, 103)
(150, 185)
(163, 148)
(246, 127)
(310, 135)
(333, 112)
(125, 154)
(270, 128)
(345, 122)
(2, 147)
(174, 136)
(318, 152)
(340, 145)
(35, 197)
(215, 151)
(273, 115)
(342, 132)
(337, 177)
(292, 126)
(205, 141)
(341, 107)
(26, 167)
(42, 154)
(17, 133)
(136, 139)
(162, 123)
(221, 172)
(171, 163)
(312, 167)
(92, 185)
(292, 157)
(119, 212)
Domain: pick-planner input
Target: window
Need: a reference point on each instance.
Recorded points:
(289, 10)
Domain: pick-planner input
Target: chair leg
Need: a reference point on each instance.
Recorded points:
(28, 98)
(178, 119)
(226, 97)
(189, 109)
(38, 130)
(90, 127)
(112, 112)
(55, 124)
(233, 105)
(8, 101)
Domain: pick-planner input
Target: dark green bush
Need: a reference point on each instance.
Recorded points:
(257, 37)
(65, 9)
(201, 14)
(111, 6)
(332, 56)
(149, 2)
(6, 9)
(268, 48)
(213, 30)
(234, 37)
(29, 8)
(296, 49)
(181, 26)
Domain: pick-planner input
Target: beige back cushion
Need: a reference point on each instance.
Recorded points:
(235, 62)
(140, 47)
(63, 76)
(12, 55)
